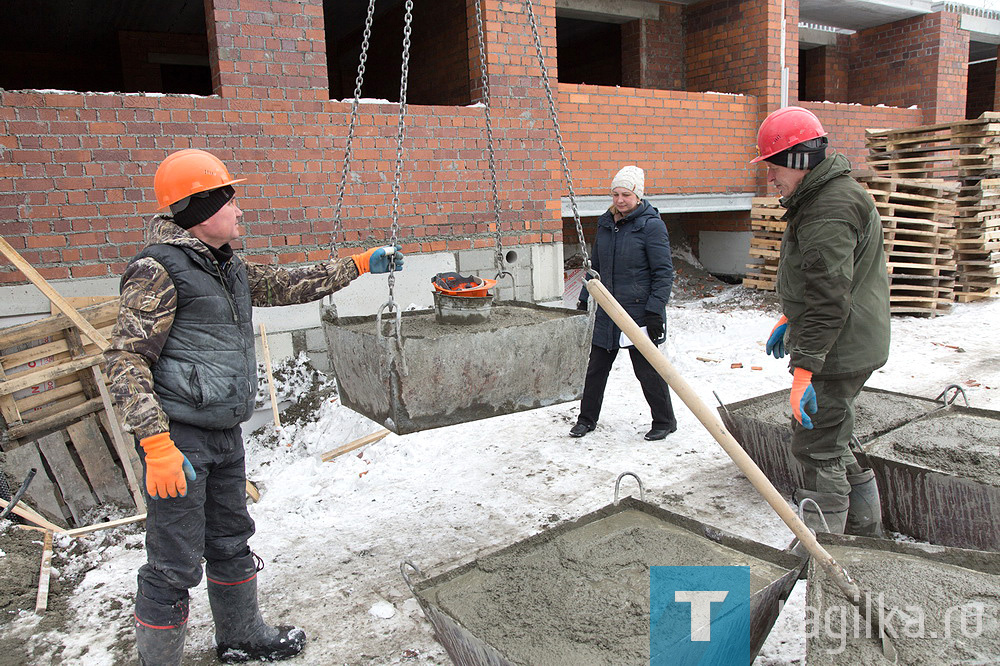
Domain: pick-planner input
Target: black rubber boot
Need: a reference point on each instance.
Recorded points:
(159, 646)
(240, 632)
(864, 517)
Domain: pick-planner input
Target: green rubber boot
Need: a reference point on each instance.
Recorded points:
(864, 517)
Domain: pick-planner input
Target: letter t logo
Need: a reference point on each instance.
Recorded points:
(701, 610)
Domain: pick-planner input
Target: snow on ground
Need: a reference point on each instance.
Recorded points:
(333, 534)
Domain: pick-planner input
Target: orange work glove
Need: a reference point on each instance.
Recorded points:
(166, 467)
(803, 398)
(376, 260)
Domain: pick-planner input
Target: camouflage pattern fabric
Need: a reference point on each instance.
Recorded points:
(148, 303)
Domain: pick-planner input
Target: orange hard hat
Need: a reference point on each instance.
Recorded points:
(188, 172)
(784, 128)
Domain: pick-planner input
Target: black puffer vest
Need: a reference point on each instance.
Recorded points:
(207, 372)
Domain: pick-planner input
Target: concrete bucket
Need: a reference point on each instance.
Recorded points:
(438, 372)
(579, 593)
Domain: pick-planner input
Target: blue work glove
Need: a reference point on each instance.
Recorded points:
(803, 397)
(776, 343)
(654, 327)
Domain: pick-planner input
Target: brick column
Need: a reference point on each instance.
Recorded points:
(267, 49)
(653, 51)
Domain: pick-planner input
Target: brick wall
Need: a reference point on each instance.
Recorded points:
(918, 61)
(982, 89)
(140, 73)
(653, 51)
(823, 74)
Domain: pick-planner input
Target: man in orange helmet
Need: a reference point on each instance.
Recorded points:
(834, 290)
(184, 377)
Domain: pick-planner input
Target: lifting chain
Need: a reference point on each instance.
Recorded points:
(562, 149)
(489, 141)
(400, 134)
(366, 38)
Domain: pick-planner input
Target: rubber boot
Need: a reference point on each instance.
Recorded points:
(864, 517)
(833, 507)
(240, 632)
(159, 646)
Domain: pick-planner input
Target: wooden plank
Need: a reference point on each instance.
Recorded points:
(48, 373)
(98, 315)
(42, 493)
(30, 514)
(53, 422)
(124, 445)
(270, 377)
(80, 531)
(356, 444)
(55, 348)
(42, 600)
(75, 489)
(252, 491)
(104, 475)
(8, 407)
(50, 293)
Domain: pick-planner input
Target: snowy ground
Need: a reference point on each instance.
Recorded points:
(333, 534)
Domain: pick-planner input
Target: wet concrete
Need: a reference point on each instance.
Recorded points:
(922, 598)
(954, 442)
(423, 323)
(581, 597)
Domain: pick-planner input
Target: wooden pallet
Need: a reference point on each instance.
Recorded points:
(57, 418)
(765, 244)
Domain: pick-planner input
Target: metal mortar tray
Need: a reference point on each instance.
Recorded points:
(578, 593)
(762, 427)
(942, 603)
(524, 356)
(939, 477)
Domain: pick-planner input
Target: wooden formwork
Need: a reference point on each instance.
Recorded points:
(57, 417)
(765, 244)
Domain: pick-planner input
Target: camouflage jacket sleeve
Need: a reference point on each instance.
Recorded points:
(148, 303)
(274, 285)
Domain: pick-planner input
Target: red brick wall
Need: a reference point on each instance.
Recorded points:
(653, 51)
(686, 142)
(846, 124)
(918, 61)
(982, 89)
(823, 74)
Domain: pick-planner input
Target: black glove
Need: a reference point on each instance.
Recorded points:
(654, 327)
(581, 305)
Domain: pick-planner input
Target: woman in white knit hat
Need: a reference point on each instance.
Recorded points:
(632, 254)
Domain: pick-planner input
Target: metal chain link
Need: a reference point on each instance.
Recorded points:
(489, 139)
(403, 80)
(365, 40)
(562, 148)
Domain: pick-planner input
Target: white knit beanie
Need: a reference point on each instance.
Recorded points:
(632, 178)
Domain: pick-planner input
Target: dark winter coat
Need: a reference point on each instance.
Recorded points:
(832, 276)
(633, 259)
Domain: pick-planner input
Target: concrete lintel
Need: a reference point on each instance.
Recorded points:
(610, 11)
(809, 37)
(982, 29)
(590, 206)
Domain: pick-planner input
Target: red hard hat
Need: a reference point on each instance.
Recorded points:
(188, 172)
(785, 128)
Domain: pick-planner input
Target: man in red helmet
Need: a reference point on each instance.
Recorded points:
(834, 290)
(184, 377)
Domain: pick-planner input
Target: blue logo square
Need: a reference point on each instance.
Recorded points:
(701, 616)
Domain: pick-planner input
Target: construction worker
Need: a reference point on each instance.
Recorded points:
(834, 291)
(184, 377)
(632, 256)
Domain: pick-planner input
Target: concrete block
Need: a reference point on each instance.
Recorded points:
(724, 252)
(279, 344)
(547, 271)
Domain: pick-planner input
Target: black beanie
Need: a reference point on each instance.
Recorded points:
(806, 155)
(201, 206)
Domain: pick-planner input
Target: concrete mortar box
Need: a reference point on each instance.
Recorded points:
(762, 426)
(578, 593)
(523, 357)
(943, 604)
(939, 477)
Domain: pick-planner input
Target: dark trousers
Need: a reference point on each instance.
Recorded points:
(653, 387)
(211, 521)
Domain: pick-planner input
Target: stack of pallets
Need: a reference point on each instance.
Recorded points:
(57, 418)
(918, 222)
(765, 245)
(967, 153)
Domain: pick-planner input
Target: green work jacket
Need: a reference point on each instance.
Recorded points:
(832, 275)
